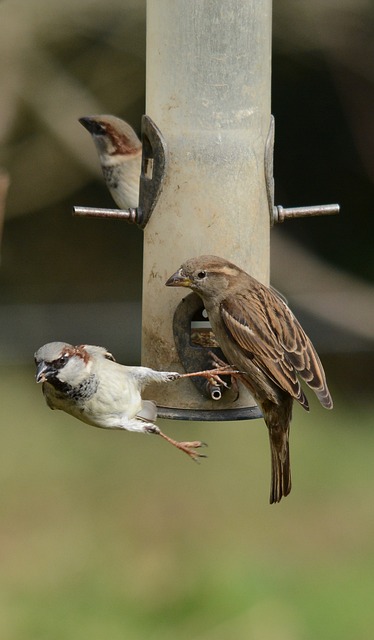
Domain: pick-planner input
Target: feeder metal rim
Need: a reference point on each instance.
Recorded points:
(201, 415)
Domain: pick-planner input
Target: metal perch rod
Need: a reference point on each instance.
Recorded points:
(281, 214)
(131, 215)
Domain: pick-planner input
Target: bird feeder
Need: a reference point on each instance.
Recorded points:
(207, 181)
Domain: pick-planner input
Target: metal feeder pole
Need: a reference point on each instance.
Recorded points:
(208, 91)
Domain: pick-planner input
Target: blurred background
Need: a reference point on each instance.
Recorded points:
(115, 535)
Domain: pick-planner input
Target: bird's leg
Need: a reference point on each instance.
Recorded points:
(221, 368)
(213, 375)
(187, 447)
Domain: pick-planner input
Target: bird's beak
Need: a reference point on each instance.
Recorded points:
(178, 279)
(92, 125)
(41, 370)
(86, 122)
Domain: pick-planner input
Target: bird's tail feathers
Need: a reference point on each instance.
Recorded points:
(280, 464)
(278, 419)
(324, 397)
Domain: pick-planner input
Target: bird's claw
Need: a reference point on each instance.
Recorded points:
(189, 448)
(213, 375)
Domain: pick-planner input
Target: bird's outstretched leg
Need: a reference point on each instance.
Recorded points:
(213, 375)
(187, 447)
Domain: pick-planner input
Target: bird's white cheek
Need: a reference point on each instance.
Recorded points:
(88, 367)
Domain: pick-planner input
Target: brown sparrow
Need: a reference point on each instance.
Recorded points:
(120, 155)
(86, 382)
(258, 332)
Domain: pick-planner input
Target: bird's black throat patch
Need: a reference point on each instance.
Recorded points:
(84, 391)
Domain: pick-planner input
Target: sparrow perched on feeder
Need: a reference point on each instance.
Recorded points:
(258, 332)
(120, 155)
(86, 382)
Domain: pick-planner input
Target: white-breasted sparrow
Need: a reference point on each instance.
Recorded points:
(120, 155)
(86, 382)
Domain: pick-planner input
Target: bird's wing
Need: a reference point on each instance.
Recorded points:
(148, 412)
(265, 328)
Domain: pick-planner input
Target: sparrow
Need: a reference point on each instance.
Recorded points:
(120, 155)
(86, 382)
(258, 332)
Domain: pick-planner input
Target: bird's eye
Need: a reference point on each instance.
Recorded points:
(62, 360)
(98, 129)
(201, 275)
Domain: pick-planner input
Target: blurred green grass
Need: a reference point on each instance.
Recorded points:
(116, 535)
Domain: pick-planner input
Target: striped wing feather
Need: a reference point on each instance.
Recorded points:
(262, 325)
